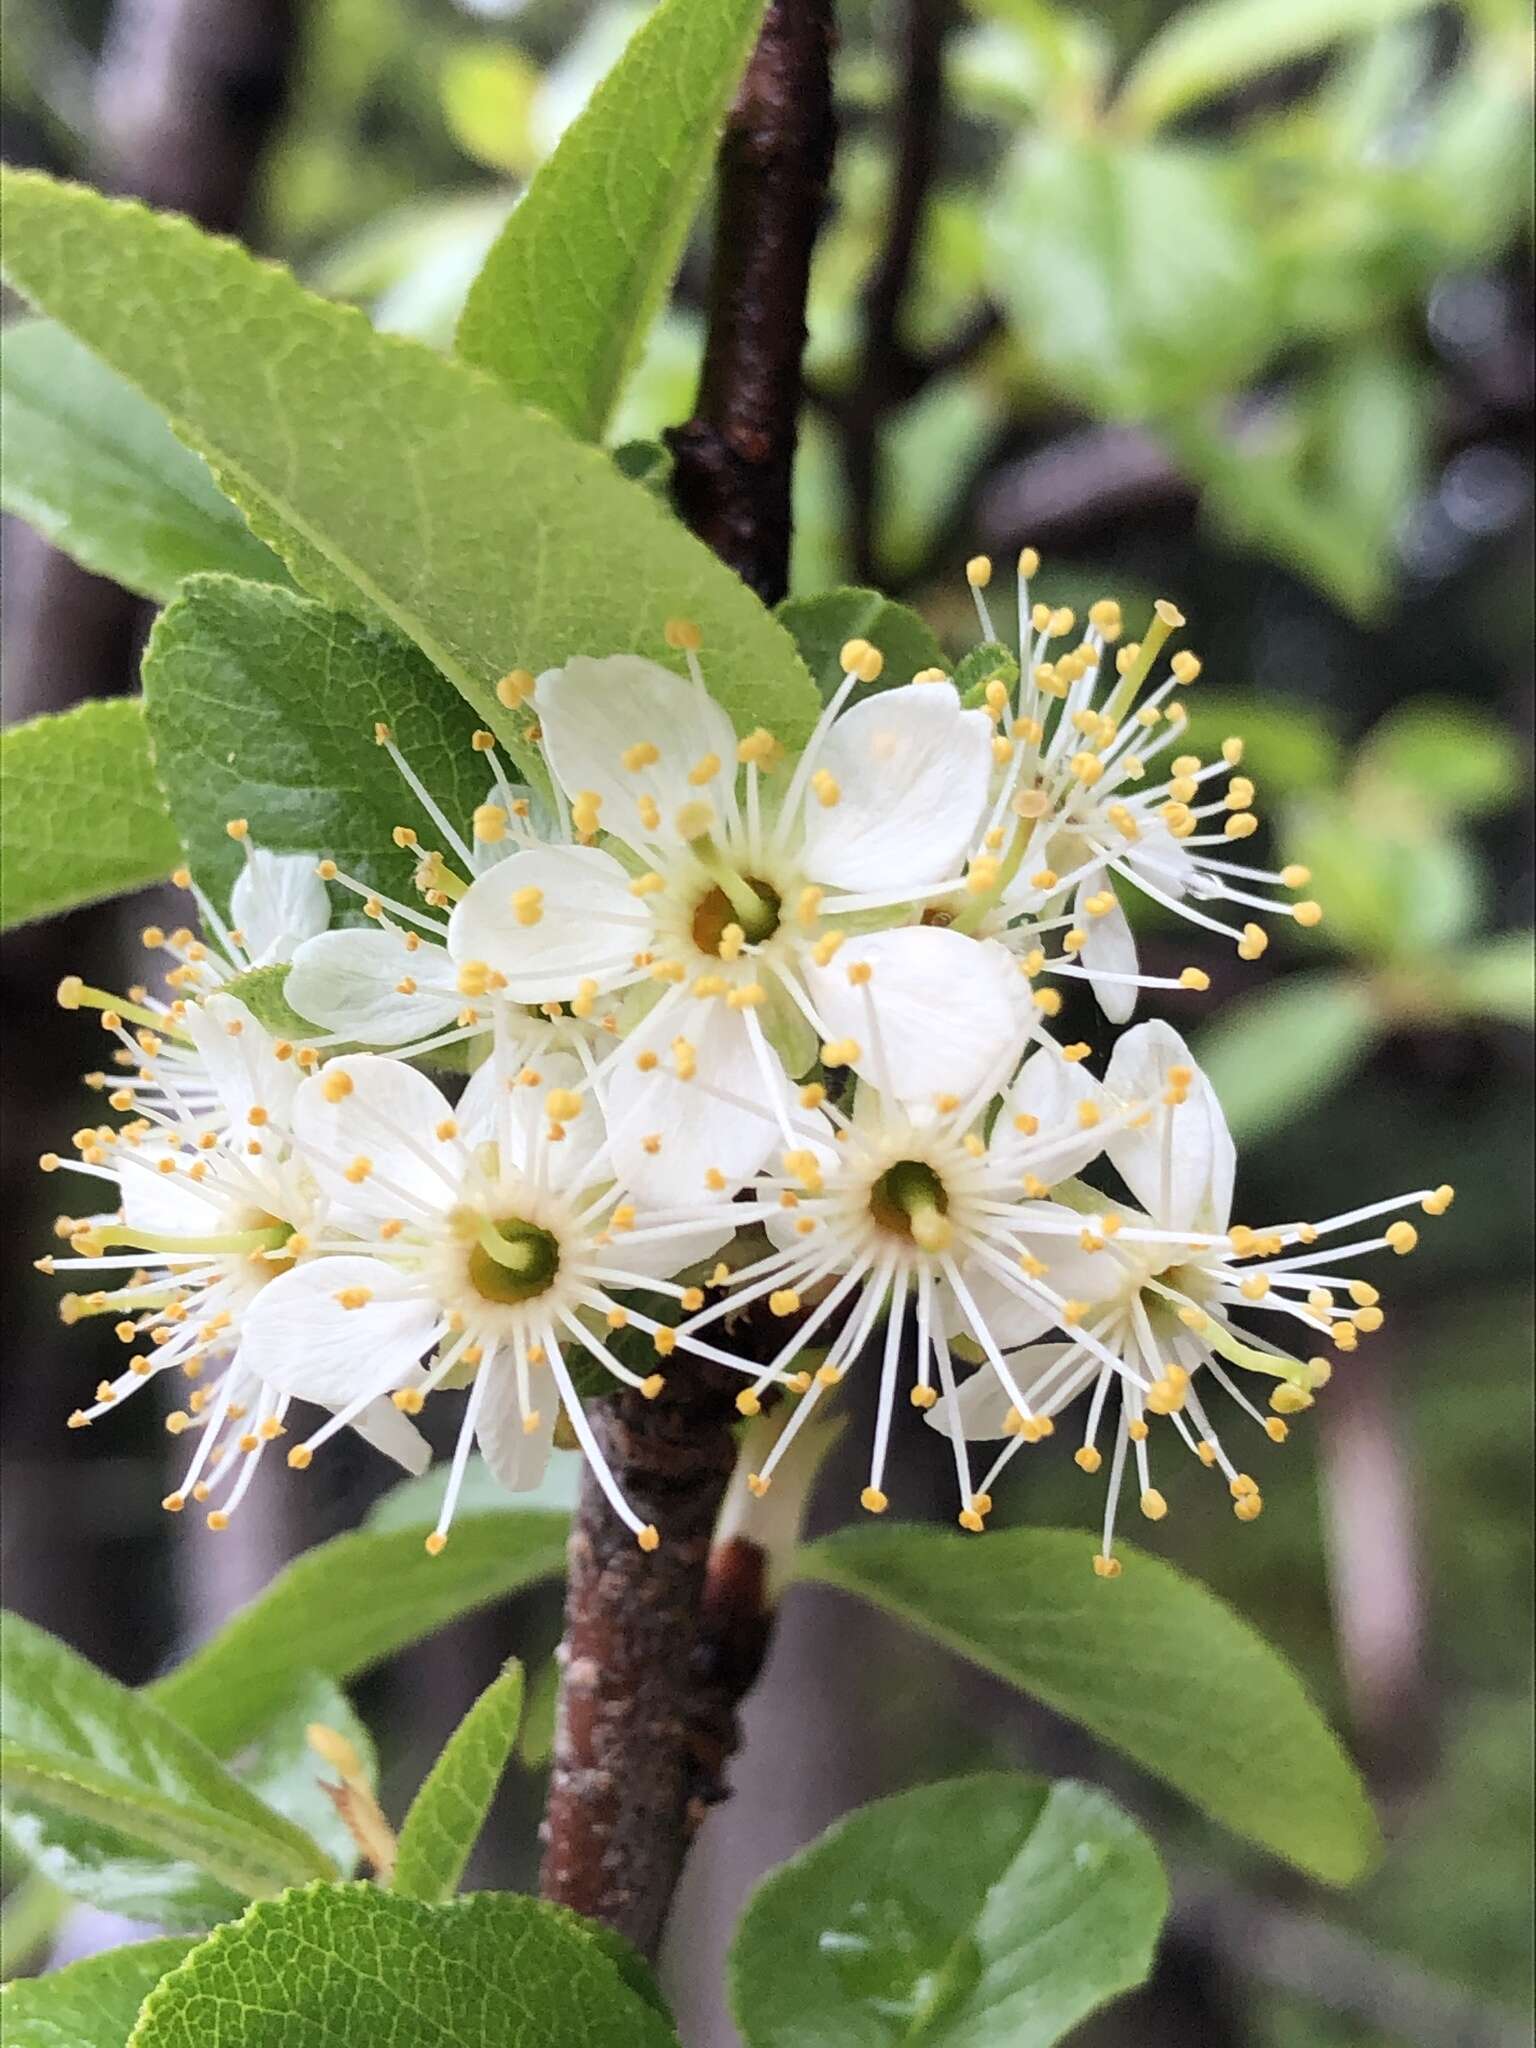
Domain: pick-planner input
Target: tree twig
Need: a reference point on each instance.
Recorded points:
(734, 458)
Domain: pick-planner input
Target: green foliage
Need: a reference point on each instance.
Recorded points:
(988, 1912)
(486, 1971)
(1210, 48)
(282, 1769)
(1392, 886)
(566, 295)
(487, 92)
(1497, 979)
(1156, 295)
(1271, 1051)
(343, 1606)
(982, 665)
(479, 529)
(1152, 1663)
(114, 1802)
(823, 624)
(262, 704)
(97, 471)
(90, 2004)
(81, 816)
(447, 1814)
(416, 1503)
(1454, 762)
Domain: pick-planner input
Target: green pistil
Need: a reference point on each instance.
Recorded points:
(512, 1260)
(758, 918)
(232, 1241)
(76, 995)
(910, 1199)
(1221, 1340)
(1123, 695)
(981, 905)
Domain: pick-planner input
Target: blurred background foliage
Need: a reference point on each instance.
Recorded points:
(1228, 302)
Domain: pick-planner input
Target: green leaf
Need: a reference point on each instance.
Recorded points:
(81, 815)
(1158, 295)
(1454, 760)
(416, 1503)
(351, 1963)
(97, 471)
(449, 1811)
(115, 1803)
(90, 2004)
(1288, 753)
(1209, 49)
(978, 666)
(1270, 1052)
(262, 704)
(285, 1772)
(1152, 1663)
(479, 529)
(1496, 980)
(1392, 885)
(344, 1605)
(563, 303)
(487, 92)
(989, 1912)
(822, 624)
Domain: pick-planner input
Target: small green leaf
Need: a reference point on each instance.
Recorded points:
(282, 1769)
(262, 705)
(989, 1912)
(1152, 1663)
(90, 2004)
(487, 92)
(81, 815)
(1287, 753)
(352, 1963)
(416, 1503)
(989, 662)
(563, 303)
(536, 1741)
(344, 1605)
(97, 471)
(115, 1803)
(822, 624)
(1158, 295)
(1453, 760)
(645, 462)
(392, 479)
(1211, 48)
(1495, 980)
(449, 1811)
(1286, 1045)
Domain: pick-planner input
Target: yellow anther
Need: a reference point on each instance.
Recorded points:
(647, 885)
(482, 741)
(1047, 1001)
(978, 571)
(300, 1458)
(873, 1501)
(1153, 1506)
(515, 688)
(1249, 1508)
(1295, 876)
(1185, 666)
(694, 819)
(825, 784)
(1307, 913)
(585, 806)
(435, 1544)
(969, 1519)
(841, 1052)
(757, 1485)
(924, 1397)
(561, 1105)
(684, 635)
(1241, 825)
(336, 1086)
(1106, 1567)
(759, 748)
(649, 812)
(1255, 940)
(1401, 1236)
(705, 769)
(1045, 878)
(1195, 978)
(784, 1301)
(642, 755)
(1087, 768)
(238, 828)
(1437, 1203)
(528, 905)
(747, 997)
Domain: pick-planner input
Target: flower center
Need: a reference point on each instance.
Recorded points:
(911, 1202)
(744, 901)
(512, 1260)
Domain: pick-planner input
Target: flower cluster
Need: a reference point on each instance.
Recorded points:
(762, 1078)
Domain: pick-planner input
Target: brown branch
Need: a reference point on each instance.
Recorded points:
(735, 457)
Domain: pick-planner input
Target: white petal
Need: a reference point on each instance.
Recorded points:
(524, 1125)
(278, 901)
(697, 1131)
(237, 1053)
(517, 1456)
(349, 982)
(1180, 1166)
(389, 1117)
(948, 1010)
(1109, 947)
(1047, 1092)
(299, 1339)
(593, 711)
(382, 1425)
(983, 1402)
(589, 925)
(912, 769)
(1157, 853)
(1072, 1272)
(1009, 1318)
(663, 1258)
(164, 1201)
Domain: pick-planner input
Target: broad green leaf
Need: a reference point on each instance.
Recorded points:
(282, 1769)
(822, 624)
(1211, 48)
(988, 1912)
(1497, 979)
(563, 303)
(33, 1909)
(479, 529)
(81, 815)
(1156, 295)
(93, 466)
(344, 1605)
(1287, 1045)
(90, 2004)
(1287, 753)
(447, 1814)
(1368, 429)
(114, 1802)
(262, 705)
(1455, 761)
(1150, 1662)
(1391, 885)
(351, 1963)
(416, 1503)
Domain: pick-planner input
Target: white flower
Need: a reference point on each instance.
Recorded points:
(1158, 1290)
(725, 886)
(930, 1215)
(1073, 813)
(213, 1209)
(496, 1235)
